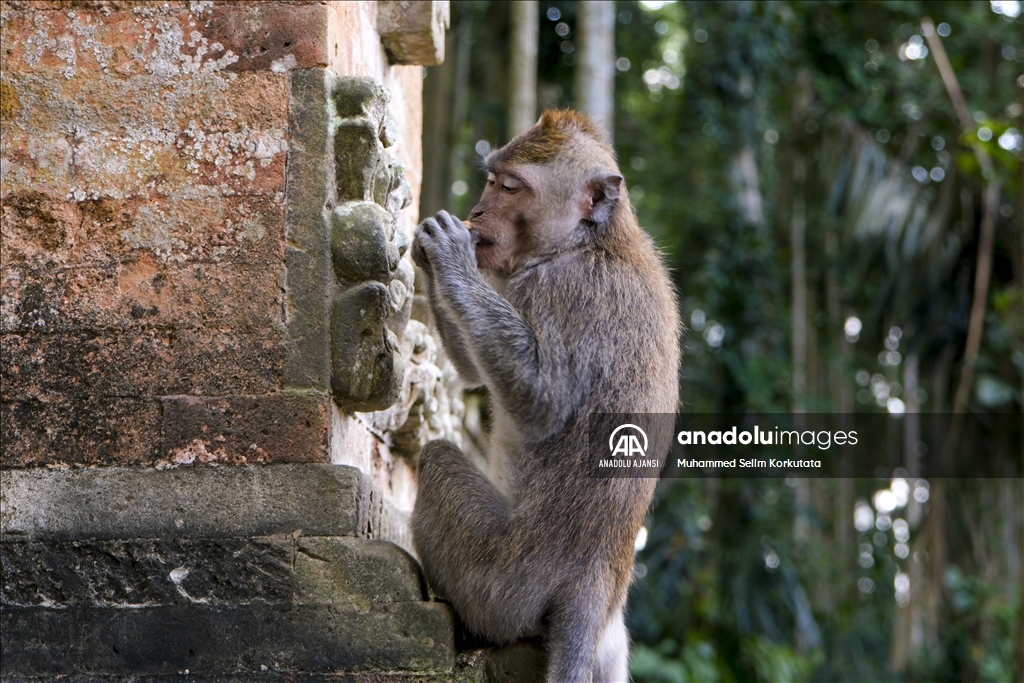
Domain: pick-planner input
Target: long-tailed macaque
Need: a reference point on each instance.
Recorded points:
(558, 302)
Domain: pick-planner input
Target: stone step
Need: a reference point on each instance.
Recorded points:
(227, 640)
(247, 573)
(145, 573)
(193, 502)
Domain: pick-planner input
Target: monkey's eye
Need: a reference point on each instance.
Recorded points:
(511, 185)
(490, 180)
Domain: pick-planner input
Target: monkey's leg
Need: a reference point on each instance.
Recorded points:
(460, 531)
(612, 659)
(574, 626)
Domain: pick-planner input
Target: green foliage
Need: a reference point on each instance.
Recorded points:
(728, 590)
(695, 662)
(977, 606)
(821, 82)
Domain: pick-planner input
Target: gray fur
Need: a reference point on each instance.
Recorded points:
(589, 326)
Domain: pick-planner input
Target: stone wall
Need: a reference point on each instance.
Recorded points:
(214, 373)
(183, 193)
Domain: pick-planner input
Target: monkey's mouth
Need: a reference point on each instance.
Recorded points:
(481, 240)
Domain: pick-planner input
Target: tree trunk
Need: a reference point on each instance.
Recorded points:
(444, 112)
(936, 524)
(522, 110)
(746, 186)
(595, 70)
(986, 244)
(798, 264)
(798, 273)
(903, 636)
(912, 434)
(841, 396)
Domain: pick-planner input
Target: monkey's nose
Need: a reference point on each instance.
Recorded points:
(474, 214)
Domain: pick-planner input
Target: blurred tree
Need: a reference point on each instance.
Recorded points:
(745, 130)
(890, 256)
(523, 60)
(595, 68)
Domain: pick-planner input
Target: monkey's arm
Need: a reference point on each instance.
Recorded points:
(451, 336)
(529, 377)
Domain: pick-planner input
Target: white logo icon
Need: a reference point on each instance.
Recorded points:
(628, 444)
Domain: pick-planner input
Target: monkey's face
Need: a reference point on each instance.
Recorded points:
(518, 215)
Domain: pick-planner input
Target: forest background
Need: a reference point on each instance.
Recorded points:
(837, 189)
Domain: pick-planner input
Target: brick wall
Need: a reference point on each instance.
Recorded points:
(166, 270)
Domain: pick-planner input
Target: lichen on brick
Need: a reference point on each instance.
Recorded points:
(135, 102)
(8, 101)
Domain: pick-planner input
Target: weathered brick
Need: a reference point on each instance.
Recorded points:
(122, 38)
(105, 137)
(141, 362)
(253, 35)
(270, 35)
(128, 298)
(56, 430)
(14, 7)
(246, 429)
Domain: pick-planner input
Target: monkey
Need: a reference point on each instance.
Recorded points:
(554, 298)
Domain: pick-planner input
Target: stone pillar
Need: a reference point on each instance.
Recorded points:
(212, 382)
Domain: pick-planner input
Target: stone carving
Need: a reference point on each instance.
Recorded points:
(383, 364)
(412, 31)
(363, 243)
(371, 304)
(366, 366)
(429, 405)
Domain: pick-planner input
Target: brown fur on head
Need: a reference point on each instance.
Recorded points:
(549, 137)
(554, 187)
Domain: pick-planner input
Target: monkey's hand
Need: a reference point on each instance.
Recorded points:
(440, 249)
(444, 248)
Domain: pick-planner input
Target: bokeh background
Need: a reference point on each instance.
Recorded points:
(845, 233)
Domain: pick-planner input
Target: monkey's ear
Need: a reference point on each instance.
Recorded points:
(603, 195)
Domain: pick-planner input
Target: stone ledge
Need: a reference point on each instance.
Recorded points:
(132, 574)
(186, 502)
(469, 676)
(228, 640)
(413, 32)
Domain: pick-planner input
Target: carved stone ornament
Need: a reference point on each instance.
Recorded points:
(371, 302)
(412, 31)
